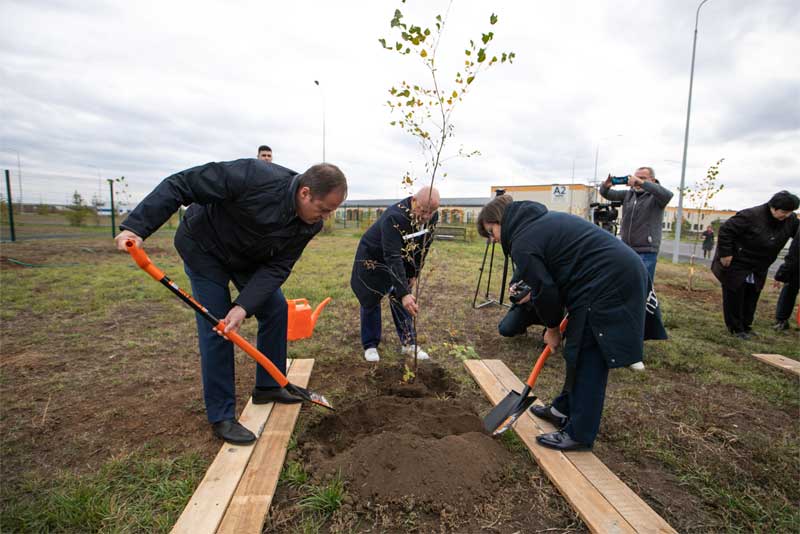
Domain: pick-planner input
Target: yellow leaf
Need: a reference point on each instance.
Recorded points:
(423, 53)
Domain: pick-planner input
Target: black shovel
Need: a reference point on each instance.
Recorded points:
(505, 414)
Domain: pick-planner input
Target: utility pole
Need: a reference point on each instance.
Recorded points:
(679, 214)
(113, 209)
(10, 208)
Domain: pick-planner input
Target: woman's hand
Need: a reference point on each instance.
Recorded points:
(726, 261)
(552, 337)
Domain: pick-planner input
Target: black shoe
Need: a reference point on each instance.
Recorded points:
(781, 325)
(546, 413)
(561, 441)
(752, 333)
(231, 431)
(741, 335)
(279, 395)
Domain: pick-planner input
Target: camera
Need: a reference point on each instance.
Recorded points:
(605, 215)
(619, 180)
(521, 290)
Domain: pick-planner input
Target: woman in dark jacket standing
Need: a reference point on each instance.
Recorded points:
(708, 241)
(603, 284)
(748, 243)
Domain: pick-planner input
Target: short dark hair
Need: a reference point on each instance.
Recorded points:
(322, 179)
(262, 148)
(650, 170)
(784, 200)
(492, 213)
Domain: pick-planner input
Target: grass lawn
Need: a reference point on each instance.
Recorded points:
(104, 430)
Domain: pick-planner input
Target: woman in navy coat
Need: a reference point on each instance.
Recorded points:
(603, 284)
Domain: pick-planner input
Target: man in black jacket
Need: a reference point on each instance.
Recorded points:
(387, 263)
(642, 214)
(248, 223)
(748, 243)
(789, 274)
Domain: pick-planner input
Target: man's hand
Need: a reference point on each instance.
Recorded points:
(233, 320)
(411, 283)
(607, 183)
(410, 304)
(526, 298)
(726, 261)
(635, 181)
(126, 235)
(552, 337)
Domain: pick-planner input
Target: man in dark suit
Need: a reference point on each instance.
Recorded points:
(248, 223)
(388, 260)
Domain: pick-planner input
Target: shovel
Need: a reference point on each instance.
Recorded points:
(144, 262)
(505, 414)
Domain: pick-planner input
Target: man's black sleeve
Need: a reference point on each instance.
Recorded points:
(544, 291)
(729, 231)
(270, 276)
(206, 184)
(392, 242)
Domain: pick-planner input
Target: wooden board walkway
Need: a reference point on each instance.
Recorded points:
(787, 364)
(237, 490)
(603, 501)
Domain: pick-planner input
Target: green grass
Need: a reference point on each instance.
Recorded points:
(136, 493)
(326, 498)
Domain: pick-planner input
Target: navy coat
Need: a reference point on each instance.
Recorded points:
(571, 263)
(389, 254)
(241, 225)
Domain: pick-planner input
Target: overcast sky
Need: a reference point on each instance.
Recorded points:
(91, 90)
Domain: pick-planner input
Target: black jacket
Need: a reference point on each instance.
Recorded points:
(754, 238)
(569, 262)
(387, 256)
(789, 271)
(241, 225)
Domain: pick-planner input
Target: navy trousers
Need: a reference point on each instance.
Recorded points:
(584, 391)
(650, 259)
(371, 323)
(518, 319)
(216, 352)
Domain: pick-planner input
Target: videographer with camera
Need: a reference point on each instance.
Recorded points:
(569, 263)
(642, 212)
(522, 313)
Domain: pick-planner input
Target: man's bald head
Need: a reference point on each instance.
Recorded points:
(425, 203)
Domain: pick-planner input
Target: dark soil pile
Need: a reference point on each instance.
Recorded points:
(408, 444)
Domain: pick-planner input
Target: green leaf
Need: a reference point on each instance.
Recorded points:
(455, 94)
(469, 79)
(493, 19)
(481, 55)
(467, 52)
(486, 37)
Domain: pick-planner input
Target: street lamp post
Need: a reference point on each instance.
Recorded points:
(322, 93)
(596, 155)
(679, 215)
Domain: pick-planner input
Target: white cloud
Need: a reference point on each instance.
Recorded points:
(145, 89)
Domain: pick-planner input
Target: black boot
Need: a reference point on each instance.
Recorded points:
(231, 431)
(279, 395)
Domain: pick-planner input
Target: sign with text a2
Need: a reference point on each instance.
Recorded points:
(559, 193)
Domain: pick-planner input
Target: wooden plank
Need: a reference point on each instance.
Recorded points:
(787, 364)
(251, 501)
(205, 509)
(592, 507)
(630, 506)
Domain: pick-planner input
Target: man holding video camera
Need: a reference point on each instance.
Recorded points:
(642, 212)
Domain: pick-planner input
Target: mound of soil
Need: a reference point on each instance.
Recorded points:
(408, 445)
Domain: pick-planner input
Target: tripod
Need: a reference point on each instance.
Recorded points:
(489, 279)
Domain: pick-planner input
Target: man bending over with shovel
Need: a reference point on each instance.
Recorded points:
(387, 263)
(248, 223)
(570, 263)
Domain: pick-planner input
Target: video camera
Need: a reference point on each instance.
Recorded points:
(520, 291)
(605, 215)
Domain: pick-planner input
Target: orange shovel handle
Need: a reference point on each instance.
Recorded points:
(143, 261)
(543, 357)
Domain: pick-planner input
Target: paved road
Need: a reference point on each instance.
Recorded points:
(685, 253)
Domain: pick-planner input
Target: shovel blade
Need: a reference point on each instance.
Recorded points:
(310, 396)
(506, 413)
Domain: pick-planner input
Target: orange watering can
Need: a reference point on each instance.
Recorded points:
(301, 319)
